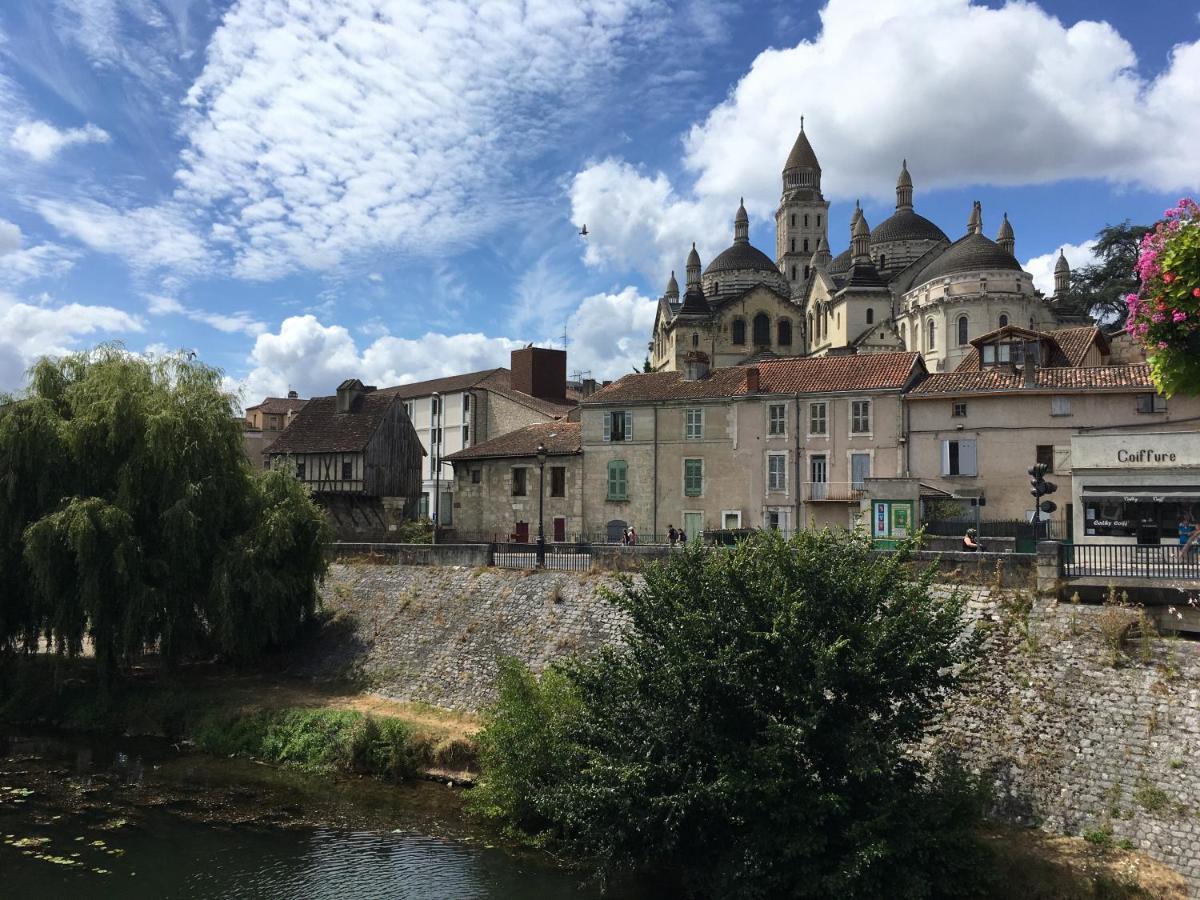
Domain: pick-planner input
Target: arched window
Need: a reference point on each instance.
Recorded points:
(806, 245)
(806, 220)
(962, 331)
(904, 334)
(883, 260)
(870, 316)
(739, 331)
(785, 333)
(811, 334)
(762, 330)
(695, 339)
(931, 337)
(1003, 319)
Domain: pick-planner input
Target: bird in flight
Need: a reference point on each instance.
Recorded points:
(584, 231)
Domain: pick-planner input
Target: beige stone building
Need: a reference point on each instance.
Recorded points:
(497, 485)
(1020, 397)
(779, 444)
(264, 422)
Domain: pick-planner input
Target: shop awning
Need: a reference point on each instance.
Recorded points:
(1142, 492)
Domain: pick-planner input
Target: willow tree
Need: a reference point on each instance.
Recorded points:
(131, 520)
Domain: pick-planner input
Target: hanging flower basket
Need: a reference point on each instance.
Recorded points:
(1164, 316)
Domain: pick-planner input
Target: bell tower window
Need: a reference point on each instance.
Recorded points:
(806, 220)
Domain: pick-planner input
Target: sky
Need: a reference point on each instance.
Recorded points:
(302, 191)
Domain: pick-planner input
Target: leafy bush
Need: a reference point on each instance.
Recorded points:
(752, 734)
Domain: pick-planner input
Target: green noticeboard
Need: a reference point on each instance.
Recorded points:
(891, 522)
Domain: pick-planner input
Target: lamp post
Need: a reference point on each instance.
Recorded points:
(541, 543)
(435, 441)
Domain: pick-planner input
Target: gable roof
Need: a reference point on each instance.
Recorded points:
(559, 439)
(320, 428)
(278, 406)
(1001, 379)
(498, 380)
(1068, 347)
(810, 375)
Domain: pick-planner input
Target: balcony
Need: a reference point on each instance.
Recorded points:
(834, 491)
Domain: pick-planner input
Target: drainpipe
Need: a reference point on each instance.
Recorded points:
(654, 501)
(904, 436)
(799, 484)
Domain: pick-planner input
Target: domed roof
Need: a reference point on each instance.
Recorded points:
(906, 225)
(741, 256)
(969, 254)
(841, 262)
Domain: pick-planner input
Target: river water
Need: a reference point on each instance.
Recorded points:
(85, 817)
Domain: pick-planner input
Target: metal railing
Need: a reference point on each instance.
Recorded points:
(1128, 561)
(834, 491)
(559, 557)
(1053, 530)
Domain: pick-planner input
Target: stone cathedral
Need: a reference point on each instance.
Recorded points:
(901, 285)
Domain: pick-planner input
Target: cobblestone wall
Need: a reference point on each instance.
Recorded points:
(1075, 734)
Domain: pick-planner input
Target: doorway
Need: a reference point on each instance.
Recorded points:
(818, 475)
(693, 525)
(522, 533)
(560, 529)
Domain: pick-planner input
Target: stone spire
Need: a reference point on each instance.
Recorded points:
(822, 257)
(802, 169)
(975, 223)
(1062, 275)
(904, 187)
(693, 266)
(855, 216)
(1005, 237)
(860, 238)
(741, 224)
(672, 287)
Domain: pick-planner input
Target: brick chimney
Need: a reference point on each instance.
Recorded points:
(348, 393)
(752, 380)
(540, 372)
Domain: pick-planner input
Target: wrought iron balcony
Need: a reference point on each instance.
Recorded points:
(834, 491)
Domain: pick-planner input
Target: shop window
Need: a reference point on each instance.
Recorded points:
(618, 426)
(739, 331)
(693, 477)
(1045, 456)
(519, 475)
(1151, 403)
(960, 409)
(959, 457)
(617, 480)
(558, 481)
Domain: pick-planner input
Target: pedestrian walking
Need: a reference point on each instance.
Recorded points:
(632, 535)
(672, 534)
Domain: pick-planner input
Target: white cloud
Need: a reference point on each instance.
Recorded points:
(608, 336)
(323, 131)
(230, 323)
(19, 264)
(967, 93)
(29, 331)
(41, 141)
(149, 237)
(1042, 267)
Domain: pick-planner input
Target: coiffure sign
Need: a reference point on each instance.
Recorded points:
(1161, 450)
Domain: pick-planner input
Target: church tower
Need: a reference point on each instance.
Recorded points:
(802, 220)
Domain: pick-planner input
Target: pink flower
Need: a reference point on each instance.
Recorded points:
(1158, 317)
(1196, 292)
(1162, 345)
(1168, 277)
(1178, 316)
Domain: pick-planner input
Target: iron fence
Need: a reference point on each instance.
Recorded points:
(559, 557)
(1052, 530)
(1129, 561)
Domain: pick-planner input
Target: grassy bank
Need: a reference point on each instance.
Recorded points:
(319, 729)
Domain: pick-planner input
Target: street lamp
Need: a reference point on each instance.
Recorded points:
(435, 441)
(541, 544)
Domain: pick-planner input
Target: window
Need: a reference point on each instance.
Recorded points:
(904, 335)
(793, 273)
(870, 316)
(762, 330)
(466, 435)
(792, 246)
(558, 481)
(1045, 456)
(958, 457)
(300, 469)
(739, 331)
(435, 405)
(931, 335)
(731, 519)
(617, 479)
(860, 416)
(777, 420)
(435, 436)
(1060, 406)
(960, 409)
(806, 245)
(693, 477)
(1003, 319)
(806, 272)
(793, 219)
(408, 408)
(989, 354)
(618, 426)
(860, 469)
(476, 476)
(962, 331)
(1151, 403)
(347, 470)
(695, 339)
(817, 421)
(693, 424)
(785, 332)
(519, 475)
(818, 220)
(806, 220)
(777, 472)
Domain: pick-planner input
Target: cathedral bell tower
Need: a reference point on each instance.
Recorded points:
(802, 220)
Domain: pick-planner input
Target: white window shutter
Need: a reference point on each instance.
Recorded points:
(629, 425)
(966, 458)
(946, 457)
(608, 426)
(1062, 460)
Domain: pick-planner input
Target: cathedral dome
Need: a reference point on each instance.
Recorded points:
(841, 262)
(970, 253)
(906, 225)
(741, 257)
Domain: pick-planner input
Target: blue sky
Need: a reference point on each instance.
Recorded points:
(306, 190)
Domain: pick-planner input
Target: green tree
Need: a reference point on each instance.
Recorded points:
(1100, 289)
(753, 734)
(130, 518)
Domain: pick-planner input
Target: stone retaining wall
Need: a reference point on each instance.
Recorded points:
(1074, 735)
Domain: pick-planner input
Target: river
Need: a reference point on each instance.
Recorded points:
(86, 817)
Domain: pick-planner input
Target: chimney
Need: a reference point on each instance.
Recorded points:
(589, 387)
(695, 366)
(292, 395)
(349, 392)
(752, 380)
(540, 372)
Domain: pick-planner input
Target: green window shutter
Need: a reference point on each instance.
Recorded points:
(616, 480)
(608, 426)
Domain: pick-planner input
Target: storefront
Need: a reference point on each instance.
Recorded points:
(1134, 488)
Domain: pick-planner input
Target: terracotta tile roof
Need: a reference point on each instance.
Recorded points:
(1076, 342)
(320, 428)
(500, 377)
(818, 375)
(1002, 378)
(1067, 346)
(559, 438)
(545, 407)
(279, 405)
